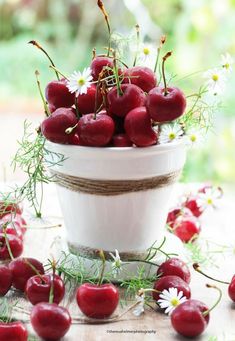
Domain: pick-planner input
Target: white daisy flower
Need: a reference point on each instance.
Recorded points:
(117, 263)
(140, 298)
(170, 299)
(209, 198)
(79, 82)
(215, 81)
(170, 133)
(147, 55)
(194, 137)
(227, 62)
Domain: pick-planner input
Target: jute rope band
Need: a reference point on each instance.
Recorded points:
(113, 187)
(92, 253)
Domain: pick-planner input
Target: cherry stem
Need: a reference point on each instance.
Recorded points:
(51, 294)
(137, 27)
(163, 71)
(198, 269)
(150, 290)
(162, 42)
(120, 93)
(46, 109)
(55, 69)
(41, 227)
(35, 43)
(102, 257)
(7, 243)
(205, 313)
(93, 53)
(34, 269)
(71, 129)
(106, 17)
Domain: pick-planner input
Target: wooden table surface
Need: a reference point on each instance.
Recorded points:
(217, 227)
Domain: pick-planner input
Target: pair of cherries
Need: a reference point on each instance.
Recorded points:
(191, 317)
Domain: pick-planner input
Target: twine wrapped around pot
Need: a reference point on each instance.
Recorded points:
(113, 187)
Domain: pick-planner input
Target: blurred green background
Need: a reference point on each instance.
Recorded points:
(197, 31)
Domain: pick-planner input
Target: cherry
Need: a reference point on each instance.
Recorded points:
(231, 289)
(141, 76)
(54, 127)
(15, 218)
(188, 318)
(58, 95)
(87, 103)
(9, 208)
(171, 281)
(97, 301)
(95, 130)
(139, 129)
(98, 64)
(5, 279)
(191, 203)
(175, 212)
(176, 267)
(24, 268)
(187, 228)
(13, 331)
(12, 228)
(50, 321)
(120, 104)
(38, 289)
(15, 244)
(121, 140)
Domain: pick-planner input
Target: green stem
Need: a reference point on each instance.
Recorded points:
(8, 244)
(162, 42)
(51, 294)
(102, 256)
(163, 71)
(119, 90)
(137, 43)
(34, 269)
(46, 109)
(205, 313)
(59, 72)
(197, 268)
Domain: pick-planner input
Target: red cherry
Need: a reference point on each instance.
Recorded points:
(139, 129)
(74, 139)
(87, 102)
(192, 204)
(54, 127)
(38, 289)
(97, 301)
(171, 281)
(121, 140)
(176, 267)
(187, 228)
(95, 131)
(58, 95)
(12, 228)
(16, 218)
(141, 76)
(188, 319)
(13, 331)
(175, 212)
(22, 271)
(164, 108)
(120, 104)
(98, 64)
(15, 243)
(231, 289)
(5, 280)
(7, 207)
(204, 188)
(50, 321)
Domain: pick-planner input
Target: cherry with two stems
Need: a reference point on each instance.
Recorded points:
(191, 317)
(98, 301)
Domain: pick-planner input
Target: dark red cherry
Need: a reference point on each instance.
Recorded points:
(58, 95)
(121, 140)
(120, 104)
(165, 108)
(95, 131)
(98, 64)
(5, 279)
(187, 228)
(188, 319)
(139, 128)
(141, 76)
(13, 331)
(171, 281)
(6, 207)
(175, 266)
(50, 321)
(192, 204)
(15, 218)
(88, 103)
(22, 271)
(231, 289)
(54, 127)
(175, 212)
(15, 244)
(97, 301)
(38, 289)
(12, 228)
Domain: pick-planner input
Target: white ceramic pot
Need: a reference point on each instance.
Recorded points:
(129, 222)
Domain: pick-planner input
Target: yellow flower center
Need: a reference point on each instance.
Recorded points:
(146, 51)
(175, 302)
(215, 77)
(193, 138)
(209, 201)
(81, 81)
(172, 136)
(226, 66)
